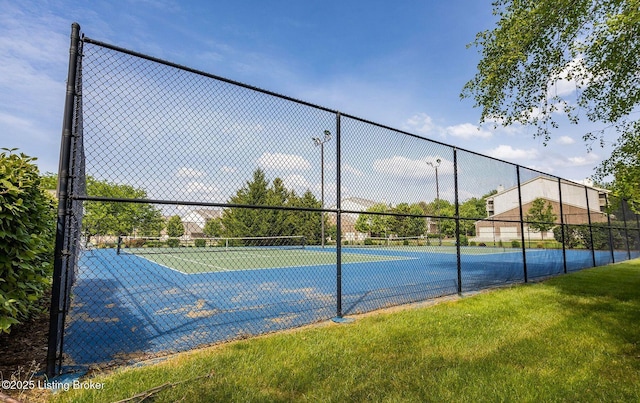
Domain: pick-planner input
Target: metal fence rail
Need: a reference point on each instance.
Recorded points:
(195, 209)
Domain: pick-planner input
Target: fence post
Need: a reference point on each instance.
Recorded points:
(55, 320)
(611, 248)
(455, 184)
(626, 230)
(638, 231)
(338, 223)
(562, 233)
(593, 248)
(524, 249)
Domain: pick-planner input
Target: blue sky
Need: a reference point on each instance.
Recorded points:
(401, 64)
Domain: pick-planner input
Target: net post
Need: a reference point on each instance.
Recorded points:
(119, 244)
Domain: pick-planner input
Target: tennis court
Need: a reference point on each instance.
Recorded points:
(145, 302)
(209, 260)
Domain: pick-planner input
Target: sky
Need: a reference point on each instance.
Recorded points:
(400, 64)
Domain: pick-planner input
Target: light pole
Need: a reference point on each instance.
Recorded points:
(320, 142)
(435, 166)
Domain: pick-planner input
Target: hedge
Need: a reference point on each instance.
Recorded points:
(27, 228)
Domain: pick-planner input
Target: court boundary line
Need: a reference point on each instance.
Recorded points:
(226, 270)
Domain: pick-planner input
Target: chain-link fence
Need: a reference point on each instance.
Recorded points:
(196, 210)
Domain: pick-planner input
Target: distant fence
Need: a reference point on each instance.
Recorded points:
(195, 209)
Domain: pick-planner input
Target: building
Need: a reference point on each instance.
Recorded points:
(194, 222)
(348, 220)
(503, 209)
(201, 216)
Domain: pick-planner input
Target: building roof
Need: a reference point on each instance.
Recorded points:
(363, 204)
(209, 214)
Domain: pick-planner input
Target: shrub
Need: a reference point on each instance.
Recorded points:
(368, 241)
(135, 243)
(27, 227)
(173, 242)
(464, 240)
(200, 243)
(515, 244)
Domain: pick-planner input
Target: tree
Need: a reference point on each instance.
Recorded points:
(577, 58)
(175, 228)
(407, 226)
(116, 218)
(27, 225)
(307, 223)
(241, 221)
(470, 209)
(540, 216)
(111, 218)
(213, 228)
(264, 222)
(377, 225)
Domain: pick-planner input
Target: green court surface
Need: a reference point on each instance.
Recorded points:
(203, 261)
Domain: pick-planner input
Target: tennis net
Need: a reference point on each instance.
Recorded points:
(155, 245)
(387, 241)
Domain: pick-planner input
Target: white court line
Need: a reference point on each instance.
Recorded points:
(159, 264)
(200, 263)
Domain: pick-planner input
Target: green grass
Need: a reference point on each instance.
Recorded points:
(572, 338)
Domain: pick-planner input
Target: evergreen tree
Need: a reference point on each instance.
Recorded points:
(260, 222)
(247, 221)
(307, 223)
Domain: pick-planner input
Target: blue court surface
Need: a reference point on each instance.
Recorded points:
(127, 307)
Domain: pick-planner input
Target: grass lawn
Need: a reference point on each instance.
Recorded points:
(572, 338)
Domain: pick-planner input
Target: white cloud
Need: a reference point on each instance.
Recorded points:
(508, 153)
(589, 159)
(572, 77)
(286, 162)
(467, 131)
(199, 187)
(420, 123)
(406, 167)
(185, 172)
(565, 140)
(346, 168)
(297, 182)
